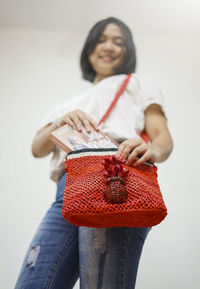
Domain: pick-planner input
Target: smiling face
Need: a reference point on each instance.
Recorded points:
(108, 53)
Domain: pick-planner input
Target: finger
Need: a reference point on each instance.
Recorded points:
(76, 122)
(124, 149)
(93, 124)
(120, 149)
(147, 156)
(68, 121)
(86, 125)
(85, 120)
(133, 155)
(130, 145)
(127, 150)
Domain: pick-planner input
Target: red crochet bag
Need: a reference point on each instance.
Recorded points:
(101, 191)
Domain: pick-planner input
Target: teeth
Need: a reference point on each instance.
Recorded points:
(107, 58)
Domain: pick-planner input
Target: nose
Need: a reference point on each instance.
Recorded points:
(108, 45)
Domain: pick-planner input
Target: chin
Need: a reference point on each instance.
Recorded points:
(105, 70)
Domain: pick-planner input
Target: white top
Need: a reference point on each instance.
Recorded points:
(127, 118)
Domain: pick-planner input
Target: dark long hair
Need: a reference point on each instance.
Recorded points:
(129, 63)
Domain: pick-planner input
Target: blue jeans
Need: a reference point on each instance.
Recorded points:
(60, 253)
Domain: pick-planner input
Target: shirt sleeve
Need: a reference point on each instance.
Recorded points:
(62, 108)
(149, 92)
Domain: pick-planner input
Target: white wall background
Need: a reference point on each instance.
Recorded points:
(40, 43)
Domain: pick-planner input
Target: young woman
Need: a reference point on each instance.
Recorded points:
(106, 258)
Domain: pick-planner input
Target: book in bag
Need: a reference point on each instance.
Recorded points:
(69, 139)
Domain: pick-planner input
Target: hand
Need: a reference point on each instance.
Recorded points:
(131, 148)
(79, 120)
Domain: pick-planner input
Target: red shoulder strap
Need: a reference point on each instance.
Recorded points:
(119, 92)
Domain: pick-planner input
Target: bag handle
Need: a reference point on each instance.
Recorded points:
(143, 135)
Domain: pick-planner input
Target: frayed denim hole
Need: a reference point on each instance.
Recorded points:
(32, 257)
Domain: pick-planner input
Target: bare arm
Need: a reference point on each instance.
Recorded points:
(41, 145)
(158, 132)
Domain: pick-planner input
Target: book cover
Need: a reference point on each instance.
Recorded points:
(69, 139)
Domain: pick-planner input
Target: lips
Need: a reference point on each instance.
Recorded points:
(106, 58)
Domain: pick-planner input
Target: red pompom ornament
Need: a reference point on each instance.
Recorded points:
(116, 190)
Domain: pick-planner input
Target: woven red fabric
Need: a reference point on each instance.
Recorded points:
(85, 204)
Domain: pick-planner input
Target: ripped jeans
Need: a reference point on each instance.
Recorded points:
(60, 253)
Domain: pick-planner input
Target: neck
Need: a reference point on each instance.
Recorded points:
(99, 77)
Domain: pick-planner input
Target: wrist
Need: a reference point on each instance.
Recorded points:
(55, 124)
(157, 153)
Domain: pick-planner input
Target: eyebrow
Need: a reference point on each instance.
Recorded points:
(119, 37)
